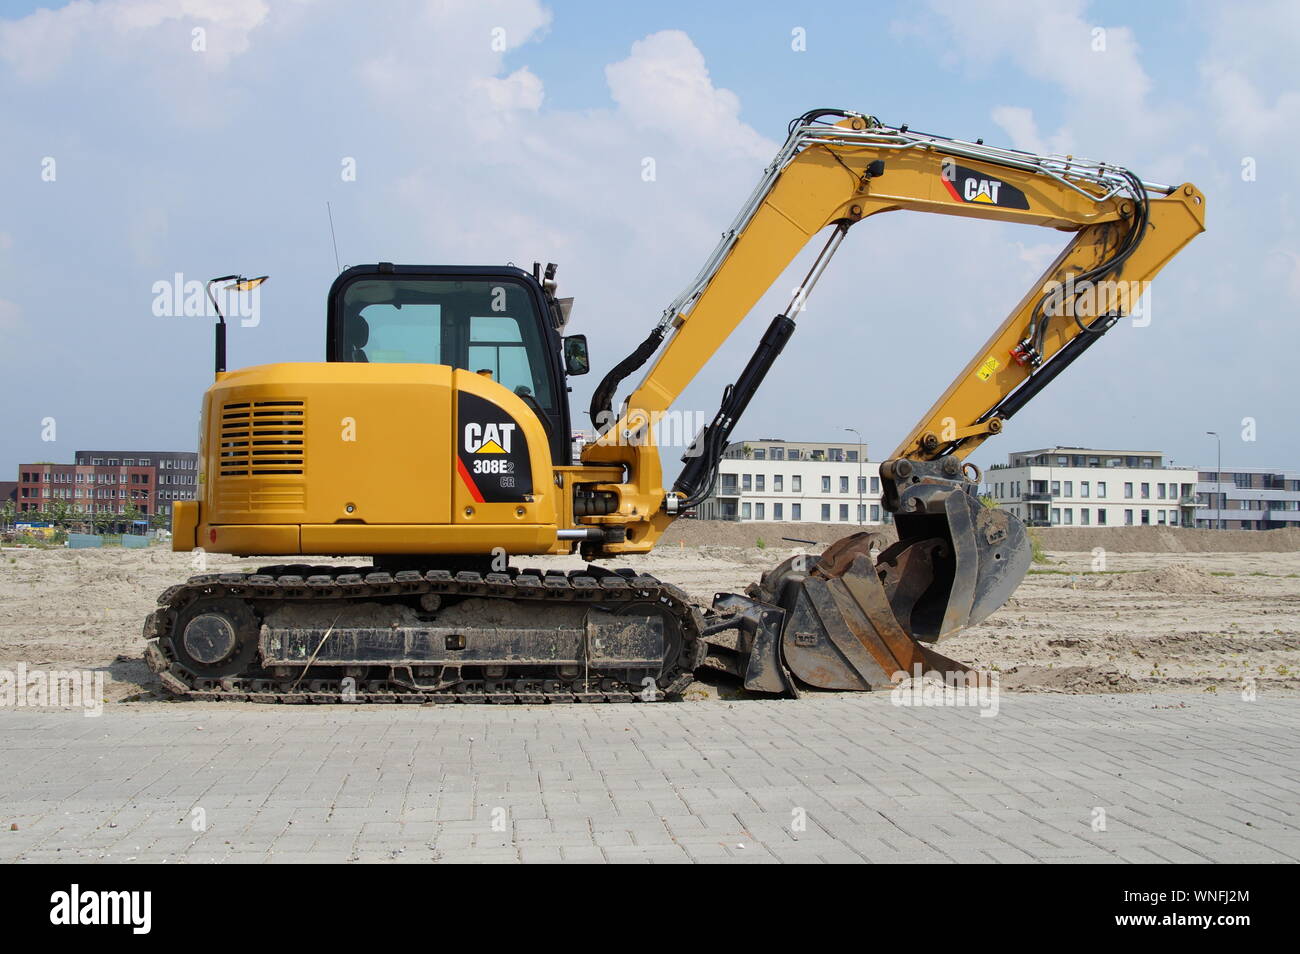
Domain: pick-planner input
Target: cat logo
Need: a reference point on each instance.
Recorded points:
(488, 438)
(969, 186)
(982, 190)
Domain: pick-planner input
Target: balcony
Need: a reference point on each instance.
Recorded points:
(1188, 500)
(1042, 496)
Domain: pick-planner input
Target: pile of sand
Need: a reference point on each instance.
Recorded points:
(1168, 540)
(1175, 579)
(1071, 679)
(728, 533)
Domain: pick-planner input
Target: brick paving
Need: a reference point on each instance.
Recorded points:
(1177, 777)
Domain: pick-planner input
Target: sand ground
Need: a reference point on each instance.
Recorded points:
(1152, 620)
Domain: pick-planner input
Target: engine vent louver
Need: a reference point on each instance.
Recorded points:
(262, 438)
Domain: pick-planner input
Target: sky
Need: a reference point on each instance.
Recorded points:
(145, 139)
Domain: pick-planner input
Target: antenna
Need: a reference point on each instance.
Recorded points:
(330, 212)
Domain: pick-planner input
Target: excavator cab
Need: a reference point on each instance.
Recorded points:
(501, 322)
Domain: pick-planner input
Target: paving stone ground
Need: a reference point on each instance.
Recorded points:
(1188, 777)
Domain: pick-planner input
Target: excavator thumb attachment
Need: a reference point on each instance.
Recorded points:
(858, 616)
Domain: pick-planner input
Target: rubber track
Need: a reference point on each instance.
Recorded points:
(593, 585)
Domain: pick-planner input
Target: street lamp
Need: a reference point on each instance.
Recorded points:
(1218, 481)
(861, 509)
(233, 283)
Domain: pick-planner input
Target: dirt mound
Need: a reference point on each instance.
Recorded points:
(1175, 579)
(1068, 679)
(1168, 540)
(730, 533)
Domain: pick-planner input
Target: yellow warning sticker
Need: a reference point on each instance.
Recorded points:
(987, 368)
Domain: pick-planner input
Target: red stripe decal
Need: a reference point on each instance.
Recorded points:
(952, 189)
(469, 481)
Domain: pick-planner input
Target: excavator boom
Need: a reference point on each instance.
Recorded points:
(955, 561)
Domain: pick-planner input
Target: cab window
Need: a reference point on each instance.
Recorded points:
(489, 325)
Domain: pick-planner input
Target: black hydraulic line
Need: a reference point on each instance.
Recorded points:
(1076, 346)
(601, 409)
(696, 478)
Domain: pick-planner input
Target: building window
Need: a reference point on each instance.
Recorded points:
(1069, 516)
(1146, 517)
(1146, 491)
(796, 512)
(1069, 488)
(1128, 491)
(777, 512)
(1085, 516)
(1056, 488)
(875, 512)
(826, 485)
(760, 453)
(875, 485)
(746, 482)
(1101, 516)
(1084, 488)
(1056, 515)
(844, 485)
(862, 485)
(1160, 491)
(759, 511)
(826, 513)
(1101, 488)
(844, 513)
(777, 483)
(852, 456)
(760, 483)
(778, 453)
(862, 513)
(744, 511)
(796, 483)
(1128, 518)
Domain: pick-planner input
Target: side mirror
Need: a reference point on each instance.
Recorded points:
(575, 355)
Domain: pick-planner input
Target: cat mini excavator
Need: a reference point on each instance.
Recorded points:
(435, 441)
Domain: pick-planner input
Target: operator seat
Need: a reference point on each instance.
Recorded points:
(356, 335)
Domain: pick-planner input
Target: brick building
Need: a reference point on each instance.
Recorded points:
(110, 482)
(176, 472)
(86, 489)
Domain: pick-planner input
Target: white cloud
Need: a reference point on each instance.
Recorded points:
(520, 90)
(1104, 89)
(10, 317)
(47, 42)
(1019, 124)
(664, 85)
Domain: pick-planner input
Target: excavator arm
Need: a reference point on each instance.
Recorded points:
(955, 561)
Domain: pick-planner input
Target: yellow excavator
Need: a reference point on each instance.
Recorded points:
(434, 440)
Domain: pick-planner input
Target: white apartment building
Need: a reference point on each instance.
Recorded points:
(1083, 487)
(1248, 498)
(772, 480)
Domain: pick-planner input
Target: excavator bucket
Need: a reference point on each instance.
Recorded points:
(859, 615)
